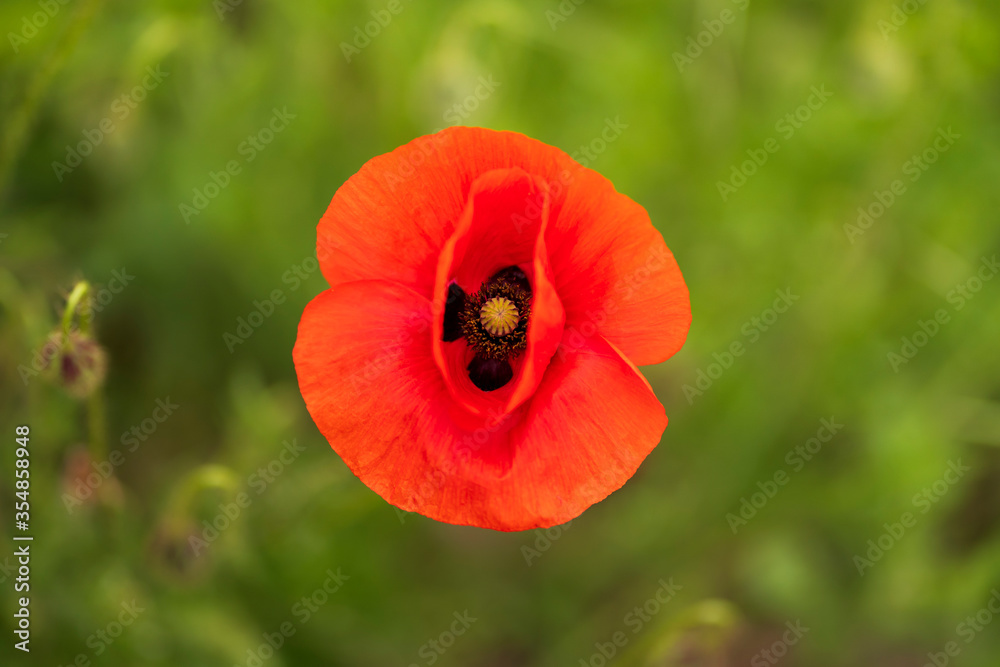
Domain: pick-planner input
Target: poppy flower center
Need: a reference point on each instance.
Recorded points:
(499, 316)
(494, 323)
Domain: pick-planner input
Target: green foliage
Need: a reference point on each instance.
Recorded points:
(806, 111)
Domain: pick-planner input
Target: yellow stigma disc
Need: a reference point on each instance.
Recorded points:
(499, 316)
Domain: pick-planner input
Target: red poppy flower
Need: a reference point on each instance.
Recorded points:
(474, 359)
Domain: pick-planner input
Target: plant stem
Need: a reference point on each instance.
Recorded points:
(81, 291)
(81, 296)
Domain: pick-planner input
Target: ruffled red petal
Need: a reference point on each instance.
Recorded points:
(390, 220)
(614, 273)
(379, 398)
(612, 270)
(503, 225)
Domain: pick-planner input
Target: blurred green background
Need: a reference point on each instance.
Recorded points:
(155, 98)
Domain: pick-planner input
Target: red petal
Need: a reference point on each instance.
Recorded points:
(503, 225)
(369, 381)
(612, 269)
(379, 399)
(614, 273)
(591, 423)
(390, 220)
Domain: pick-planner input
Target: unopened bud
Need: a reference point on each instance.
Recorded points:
(79, 366)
